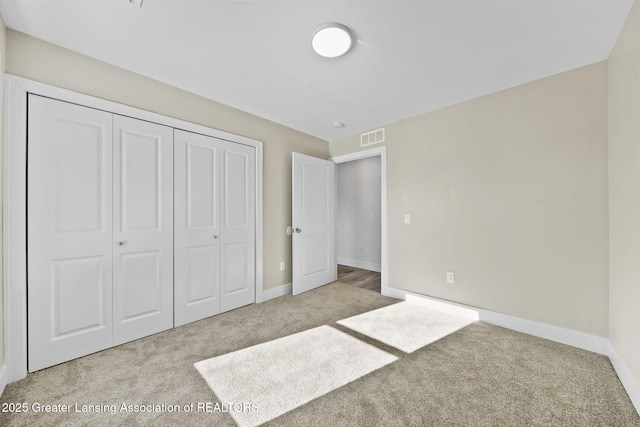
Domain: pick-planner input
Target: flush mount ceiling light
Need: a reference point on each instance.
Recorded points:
(331, 40)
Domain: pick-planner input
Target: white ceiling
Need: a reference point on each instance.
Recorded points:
(411, 56)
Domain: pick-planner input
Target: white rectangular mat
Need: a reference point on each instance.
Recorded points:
(262, 382)
(405, 326)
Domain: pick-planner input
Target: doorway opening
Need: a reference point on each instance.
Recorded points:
(361, 219)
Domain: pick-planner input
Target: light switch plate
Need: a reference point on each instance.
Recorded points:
(407, 219)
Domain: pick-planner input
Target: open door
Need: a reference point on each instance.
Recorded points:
(313, 228)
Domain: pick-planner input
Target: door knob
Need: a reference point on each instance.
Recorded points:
(215, 236)
(121, 242)
(293, 230)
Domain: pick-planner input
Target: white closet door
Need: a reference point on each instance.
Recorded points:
(196, 226)
(142, 229)
(69, 231)
(237, 252)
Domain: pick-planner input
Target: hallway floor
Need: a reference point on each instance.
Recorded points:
(364, 279)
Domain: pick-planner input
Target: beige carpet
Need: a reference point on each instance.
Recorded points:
(405, 326)
(481, 375)
(264, 381)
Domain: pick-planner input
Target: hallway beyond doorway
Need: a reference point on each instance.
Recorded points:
(364, 279)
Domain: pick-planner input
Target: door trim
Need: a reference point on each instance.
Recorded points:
(382, 152)
(15, 191)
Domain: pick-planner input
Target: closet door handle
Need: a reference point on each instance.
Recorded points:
(215, 236)
(121, 242)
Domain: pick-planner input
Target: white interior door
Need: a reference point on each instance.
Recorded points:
(196, 226)
(142, 228)
(69, 231)
(237, 234)
(313, 203)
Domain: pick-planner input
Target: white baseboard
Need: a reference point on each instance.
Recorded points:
(396, 293)
(360, 264)
(570, 337)
(4, 377)
(445, 306)
(276, 292)
(566, 336)
(629, 383)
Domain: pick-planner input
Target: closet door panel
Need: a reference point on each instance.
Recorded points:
(141, 280)
(196, 227)
(238, 226)
(143, 228)
(69, 231)
(236, 272)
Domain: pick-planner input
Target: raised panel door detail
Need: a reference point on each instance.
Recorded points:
(235, 195)
(140, 181)
(235, 273)
(202, 206)
(141, 284)
(69, 230)
(78, 171)
(314, 254)
(197, 238)
(237, 254)
(78, 296)
(202, 275)
(314, 194)
(143, 228)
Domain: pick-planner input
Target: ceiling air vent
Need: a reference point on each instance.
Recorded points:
(373, 137)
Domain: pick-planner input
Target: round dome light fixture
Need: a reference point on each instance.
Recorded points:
(332, 40)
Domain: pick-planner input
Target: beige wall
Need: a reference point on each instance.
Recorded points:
(41, 61)
(624, 194)
(3, 50)
(509, 191)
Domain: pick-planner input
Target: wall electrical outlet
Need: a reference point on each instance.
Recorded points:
(451, 277)
(282, 264)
